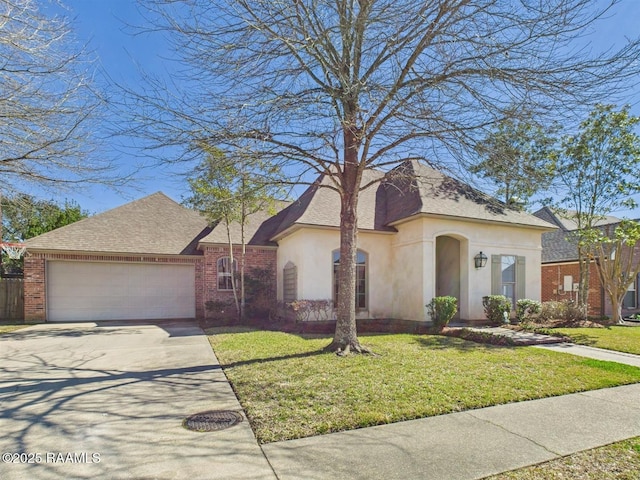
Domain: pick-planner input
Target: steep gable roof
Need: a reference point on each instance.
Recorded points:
(561, 245)
(319, 205)
(151, 225)
(414, 188)
(408, 190)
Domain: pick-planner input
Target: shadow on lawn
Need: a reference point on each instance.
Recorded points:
(582, 339)
(437, 342)
(273, 359)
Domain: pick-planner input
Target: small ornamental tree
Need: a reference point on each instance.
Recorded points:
(599, 172)
(228, 190)
(613, 250)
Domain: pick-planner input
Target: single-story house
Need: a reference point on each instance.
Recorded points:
(420, 235)
(560, 270)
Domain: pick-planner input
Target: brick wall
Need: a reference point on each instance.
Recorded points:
(34, 289)
(553, 283)
(256, 257)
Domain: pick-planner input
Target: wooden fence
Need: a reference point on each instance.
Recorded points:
(11, 299)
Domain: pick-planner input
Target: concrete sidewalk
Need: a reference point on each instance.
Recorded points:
(466, 445)
(595, 353)
(472, 444)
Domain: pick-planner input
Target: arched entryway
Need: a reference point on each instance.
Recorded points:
(448, 268)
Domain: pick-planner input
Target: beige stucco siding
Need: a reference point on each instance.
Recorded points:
(311, 250)
(403, 267)
(411, 255)
(415, 249)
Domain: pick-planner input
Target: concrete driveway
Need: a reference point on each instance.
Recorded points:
(108, 400)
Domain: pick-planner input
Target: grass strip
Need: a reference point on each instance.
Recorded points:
(619, 461)
(8, 328)
(619, 338)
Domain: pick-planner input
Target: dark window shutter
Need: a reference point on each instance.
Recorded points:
(290, 283)
(496, 275)
(521, 279)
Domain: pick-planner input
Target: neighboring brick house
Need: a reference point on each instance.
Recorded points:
(560, 272)
(421, 234)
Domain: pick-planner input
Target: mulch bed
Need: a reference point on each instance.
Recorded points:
(478, 337)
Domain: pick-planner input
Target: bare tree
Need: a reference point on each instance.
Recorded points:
(337, 87)
(47, 102)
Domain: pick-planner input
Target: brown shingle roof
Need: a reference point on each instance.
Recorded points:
(151, 225)
(158, 225)
(319, 205)
(258, 229)
(409, 189)
(414, 188)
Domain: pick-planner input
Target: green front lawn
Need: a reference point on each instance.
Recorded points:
(622, 339)
(290, 388)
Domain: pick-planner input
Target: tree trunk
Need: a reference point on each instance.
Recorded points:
(616, 308)
(243, 256)
(233, 276)
(345, 339)
(584, 276)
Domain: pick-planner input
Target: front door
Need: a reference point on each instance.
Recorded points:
(448, 268)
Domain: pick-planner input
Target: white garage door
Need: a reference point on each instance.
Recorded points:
(81, 291)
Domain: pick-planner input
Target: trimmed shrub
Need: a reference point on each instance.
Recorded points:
(259, 292)
(574, 312)
(564, 310)
(495, 307)
(312, 310)
(221, 310)
(552, 310)
(441, 310)
(526, 308)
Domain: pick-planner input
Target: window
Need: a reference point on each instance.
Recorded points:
(361, 278)
(629, 300)
(225, 273)
(508, 277)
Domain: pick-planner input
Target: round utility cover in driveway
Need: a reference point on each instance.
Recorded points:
(212, 420)
(89, 291)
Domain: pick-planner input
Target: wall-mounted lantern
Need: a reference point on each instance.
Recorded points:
(480, 260)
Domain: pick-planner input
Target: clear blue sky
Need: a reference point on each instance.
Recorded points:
(102, 25)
